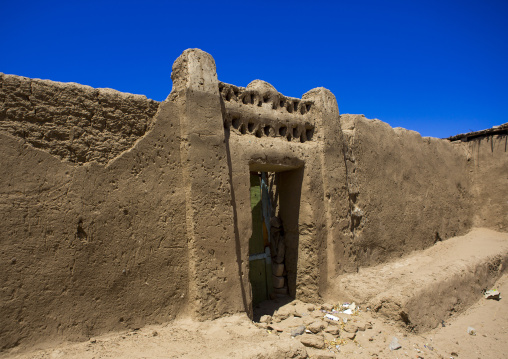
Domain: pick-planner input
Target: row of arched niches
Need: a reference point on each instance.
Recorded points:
(248, 122)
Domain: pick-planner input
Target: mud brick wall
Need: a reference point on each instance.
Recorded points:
(73, 122)
(488, 161)
(405, 192)
(91, 248)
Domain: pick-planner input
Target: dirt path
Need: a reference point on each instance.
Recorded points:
(238, 337)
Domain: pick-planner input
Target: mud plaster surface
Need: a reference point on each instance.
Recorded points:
(74, 122)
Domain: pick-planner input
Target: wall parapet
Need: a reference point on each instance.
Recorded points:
(261, 111)
(74, 122)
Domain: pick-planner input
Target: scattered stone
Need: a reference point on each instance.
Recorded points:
(363, 325)
(351, 328)
(298, 331)
(261, 325)
(346, 335)
(328, 307)
(286, 311)
(275, 327)
(319, 354)
(311, 307)
(316, 326)
(308, 319)
(471, 331)
(394, 345)
(297, 302)
(328, 337)
(313, 341)
(333, 329)
(155, 333)
(279, 316)
(317, 314)
(292, 322)
(265, 319)
(454, 354)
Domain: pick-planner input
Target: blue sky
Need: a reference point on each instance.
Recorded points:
(436, 67)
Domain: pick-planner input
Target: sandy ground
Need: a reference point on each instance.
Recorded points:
(238, 337)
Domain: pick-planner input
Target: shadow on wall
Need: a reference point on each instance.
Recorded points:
(289, 190)
(238, 248)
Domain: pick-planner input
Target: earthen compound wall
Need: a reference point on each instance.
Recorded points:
(73, 122)
(405, 192)
(488, 164)
(93, 247)
(119, 211)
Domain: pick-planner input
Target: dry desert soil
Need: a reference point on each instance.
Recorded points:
(361, 334)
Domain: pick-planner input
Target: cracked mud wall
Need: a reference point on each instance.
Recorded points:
(488, 164)
(74, 122)
(91, 248)
(405, 192)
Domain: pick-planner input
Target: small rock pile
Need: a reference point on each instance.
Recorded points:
(325, 328)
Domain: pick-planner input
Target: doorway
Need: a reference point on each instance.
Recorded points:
(260, 258)
(273, 246)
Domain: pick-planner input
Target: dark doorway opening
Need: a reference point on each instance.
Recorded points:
(273, 246)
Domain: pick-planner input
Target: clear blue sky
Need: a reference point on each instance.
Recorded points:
(436, 67)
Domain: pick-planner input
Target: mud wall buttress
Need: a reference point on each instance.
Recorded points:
(210, 220)
(333, 175)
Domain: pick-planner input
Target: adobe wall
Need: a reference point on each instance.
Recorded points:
(91, 248)
(73, 122)
(215, 276)
(405, 192)
(488, 161)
